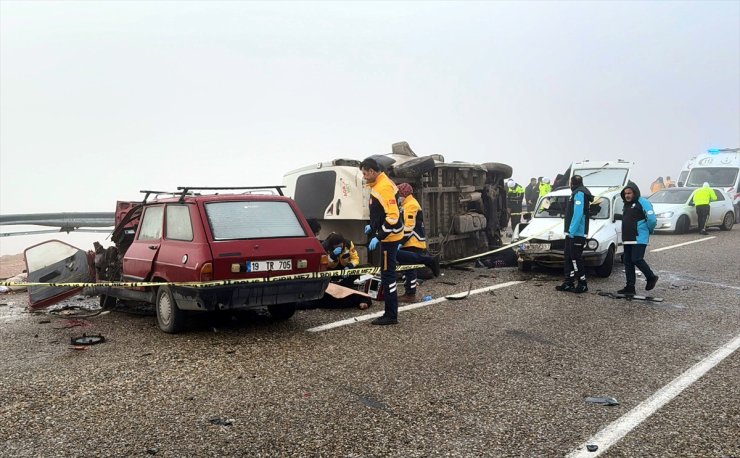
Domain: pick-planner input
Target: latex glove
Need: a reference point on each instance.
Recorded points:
(368, 229)
(373, 243)
(337, 251)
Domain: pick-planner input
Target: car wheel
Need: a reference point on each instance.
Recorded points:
(606, 268)
(524, 266)
(414, 168)
(281, 312)
(502, 169)
(682, 225)
(169, 318)
(727, 222)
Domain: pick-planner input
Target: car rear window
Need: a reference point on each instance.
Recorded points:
(253, 220)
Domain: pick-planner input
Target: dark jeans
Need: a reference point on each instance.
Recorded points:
(388, 252)
(702, 211)
(412, 255)
(633, 257)
(573, 267)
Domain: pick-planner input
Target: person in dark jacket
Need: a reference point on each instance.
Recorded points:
(638, 222)
(531, 194)
(576, 231)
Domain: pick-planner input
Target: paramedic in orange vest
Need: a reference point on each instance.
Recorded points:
(414, 244)
(386, 230)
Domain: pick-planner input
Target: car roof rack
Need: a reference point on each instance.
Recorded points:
(148, 192)
(186, 189)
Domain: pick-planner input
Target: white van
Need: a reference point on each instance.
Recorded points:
(720, 168)
(605, 180)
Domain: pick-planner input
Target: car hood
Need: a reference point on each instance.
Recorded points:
(552, 228)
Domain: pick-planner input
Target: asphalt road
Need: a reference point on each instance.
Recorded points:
(500, 373)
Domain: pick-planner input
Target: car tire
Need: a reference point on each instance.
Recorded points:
(524, 266)
(605, 269)
(169, 317)
(413, 168)
(496, 167)
(682, 225)
(727, 222)
(281, 312)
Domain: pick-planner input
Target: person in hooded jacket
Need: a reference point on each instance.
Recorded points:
(576, 230)
(638, 222)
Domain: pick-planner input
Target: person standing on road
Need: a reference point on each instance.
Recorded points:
(702, 197)
(413, 247)
(531, 194)
(545, 187)
(514, 194)
(576, 230)
(386, 230)
(638, 222)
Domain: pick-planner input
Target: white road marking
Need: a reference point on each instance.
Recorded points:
(627, 422)
(370, 316)
(684, 243)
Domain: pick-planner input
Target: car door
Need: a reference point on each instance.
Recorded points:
(617, 207)
(56, 262)
(139, 258)
(716, 208)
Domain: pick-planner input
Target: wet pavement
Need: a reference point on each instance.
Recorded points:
(500, 373)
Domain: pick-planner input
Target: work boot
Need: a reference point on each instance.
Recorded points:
(384, 320)
(651, 283)
(566, 286)
(435, 266)
(703, 232)
(407, 298)
(627, 290)
(581, 288)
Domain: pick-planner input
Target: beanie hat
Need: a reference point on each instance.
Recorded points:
(404, 189)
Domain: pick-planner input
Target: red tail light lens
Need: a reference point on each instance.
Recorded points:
(206, 272)
(324, 263)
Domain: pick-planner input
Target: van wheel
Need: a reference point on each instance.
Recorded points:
(169, 318)
(496, 167)
(727, 222)
(605, 269)
(524, 266)
(281, 312)
(682, 225)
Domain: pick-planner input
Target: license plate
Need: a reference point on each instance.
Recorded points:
(266, 266)
(535, 246)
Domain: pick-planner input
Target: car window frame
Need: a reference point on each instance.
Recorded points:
(189, 219)
(147, 211)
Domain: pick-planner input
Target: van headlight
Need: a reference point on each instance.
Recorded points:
(664, 215)
(592, 244)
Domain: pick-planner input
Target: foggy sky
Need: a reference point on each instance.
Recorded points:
(99, 100)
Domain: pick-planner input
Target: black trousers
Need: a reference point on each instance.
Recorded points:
(634, 257)
(388, 252)
(702, 211)
(573, 267)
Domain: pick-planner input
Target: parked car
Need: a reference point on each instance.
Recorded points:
(605, 180)
(674, 208)
(194, 238)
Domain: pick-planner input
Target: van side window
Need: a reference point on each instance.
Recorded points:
(179, 226)
(151, 224)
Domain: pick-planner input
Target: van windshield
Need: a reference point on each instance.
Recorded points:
(716, 176)
(602, 177)
(554, 207)
(253, 220)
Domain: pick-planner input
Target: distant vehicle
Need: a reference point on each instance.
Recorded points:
(684, 174)
(189, 237)
(674, 208)
(720, 168)
(605, 180)
(464, 204)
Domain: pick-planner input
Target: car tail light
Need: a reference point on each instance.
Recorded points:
(324, 262)
(206, 272)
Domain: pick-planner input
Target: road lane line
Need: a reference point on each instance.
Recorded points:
(683, 244)
(627, 422)
(370, 316)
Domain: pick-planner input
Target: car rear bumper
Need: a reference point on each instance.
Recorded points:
(248, 295)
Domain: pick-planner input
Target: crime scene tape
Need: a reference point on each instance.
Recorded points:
(139, 284)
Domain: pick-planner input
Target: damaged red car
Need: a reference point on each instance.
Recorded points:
(189, 237)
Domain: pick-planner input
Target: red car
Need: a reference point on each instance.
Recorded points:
(188, 237)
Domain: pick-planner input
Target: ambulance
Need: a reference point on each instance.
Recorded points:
(720, 168)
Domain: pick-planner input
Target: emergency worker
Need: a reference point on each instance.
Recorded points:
(657, 185)
(545, 186)
(413, 247)
(386, 231)
(702, 197)
(638, 222)
(669, 183)
(514, 196)
(531, 194)
(576, 230)
(342, 255)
